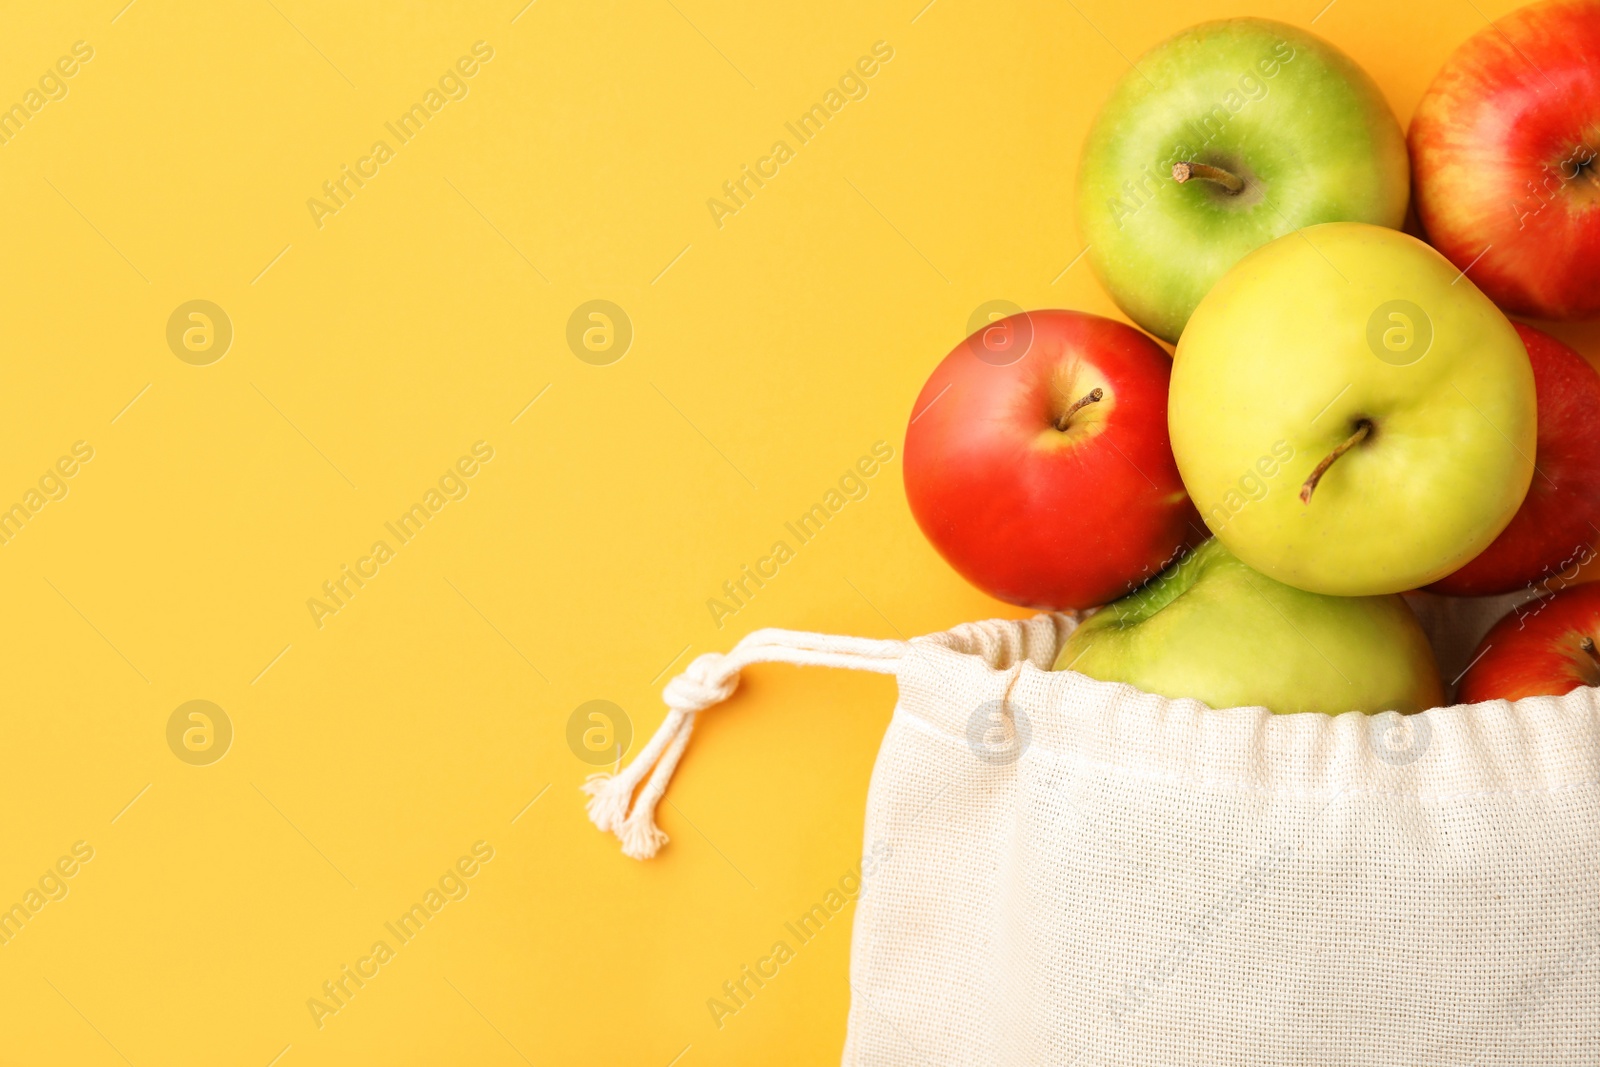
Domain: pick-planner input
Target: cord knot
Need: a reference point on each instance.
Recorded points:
(616, 807)
(708, 680)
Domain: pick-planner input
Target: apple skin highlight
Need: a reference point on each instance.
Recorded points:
(1291, 348)
(1505, 150)
(1305, 129)
(1029, 512)
(1537, 649)
(1215, 630)
(1559, 521)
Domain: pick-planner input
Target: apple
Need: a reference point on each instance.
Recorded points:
(1504, 144)
(1559, 520)
(1545, 647)
(1037, 462)
(1215, 630)
(1221, 139)
(1350, 414)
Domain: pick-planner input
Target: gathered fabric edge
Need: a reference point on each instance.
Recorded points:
(1535, 746)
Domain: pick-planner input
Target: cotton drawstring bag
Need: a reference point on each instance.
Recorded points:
(1073, 872)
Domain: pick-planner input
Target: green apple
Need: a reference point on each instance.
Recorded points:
(1223, 138)
(1350, 414)
(1211, 628)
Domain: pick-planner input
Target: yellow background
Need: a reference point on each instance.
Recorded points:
(369, 754)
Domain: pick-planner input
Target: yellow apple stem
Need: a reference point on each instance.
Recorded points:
(1094, 396)
(1362, 429)
(1587, 644)
(1182, 172)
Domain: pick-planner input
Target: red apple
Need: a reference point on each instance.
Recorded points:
(1560, 517)
(1037, 460)
(1505, 153)
(1545, 647)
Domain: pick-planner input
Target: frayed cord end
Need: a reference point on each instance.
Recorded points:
(608, 800)
(641, 837)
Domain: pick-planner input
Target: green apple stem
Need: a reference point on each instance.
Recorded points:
(1094, 396)
(1587, 644)
(1362, 429)
(1182, 172)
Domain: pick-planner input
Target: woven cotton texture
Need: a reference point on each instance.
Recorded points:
(1069, 872)
(1078, 873)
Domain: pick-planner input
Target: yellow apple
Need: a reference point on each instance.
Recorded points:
(1350, 414)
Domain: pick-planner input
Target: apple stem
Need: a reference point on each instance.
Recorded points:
(1182, 172)
(1094, 396)
(1587, 644)
(1362, 429)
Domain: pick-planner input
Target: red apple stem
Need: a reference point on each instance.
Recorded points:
(1094, 396)
(1362, 429)
(1182, 172)
(1587, 644)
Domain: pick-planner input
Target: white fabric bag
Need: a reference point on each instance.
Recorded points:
(1072, 872)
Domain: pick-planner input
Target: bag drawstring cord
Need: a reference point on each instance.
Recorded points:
(709, 680)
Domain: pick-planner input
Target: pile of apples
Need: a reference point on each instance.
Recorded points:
(1348, 414)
